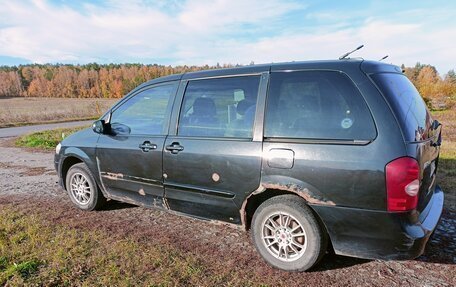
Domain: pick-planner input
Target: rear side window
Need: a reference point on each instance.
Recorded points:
(223, 107)
(407, 104)
(316, 105)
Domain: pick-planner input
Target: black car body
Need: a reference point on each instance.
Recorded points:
(350, 138)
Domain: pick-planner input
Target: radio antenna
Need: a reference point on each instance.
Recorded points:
(383, 58)
(347, 54)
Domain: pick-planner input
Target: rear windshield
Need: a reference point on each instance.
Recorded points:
(407, 104)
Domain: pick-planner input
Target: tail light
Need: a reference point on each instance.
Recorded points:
(402, 184)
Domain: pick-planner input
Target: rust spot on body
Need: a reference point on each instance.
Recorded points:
(260, 189)
(301, 191)
(113, 176)
(224, 223)
(215, 177)
(294, 188)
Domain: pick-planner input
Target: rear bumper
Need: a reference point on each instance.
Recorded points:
(381, 235)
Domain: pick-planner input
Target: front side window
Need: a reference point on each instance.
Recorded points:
(222, 107)
(316, 105)
(144, 113)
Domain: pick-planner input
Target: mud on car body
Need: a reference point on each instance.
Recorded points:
(305, 155)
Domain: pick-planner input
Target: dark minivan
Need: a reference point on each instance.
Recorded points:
(306, 155)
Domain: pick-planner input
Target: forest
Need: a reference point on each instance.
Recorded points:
(115, 80)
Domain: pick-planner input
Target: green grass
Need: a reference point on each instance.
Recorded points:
(37, 252)
(46, 139)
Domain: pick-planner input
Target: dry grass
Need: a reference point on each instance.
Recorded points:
(21, 111)
(447, 161)
(36, 252)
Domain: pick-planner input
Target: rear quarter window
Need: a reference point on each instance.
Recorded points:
(406, 103)
(316, 105)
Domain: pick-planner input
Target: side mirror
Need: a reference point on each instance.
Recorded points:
(100, 127)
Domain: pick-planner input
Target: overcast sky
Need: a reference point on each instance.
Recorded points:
(226, 31)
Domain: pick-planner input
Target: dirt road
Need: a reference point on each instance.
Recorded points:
(28, 181)
(18, 131)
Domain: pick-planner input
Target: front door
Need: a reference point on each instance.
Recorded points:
(212, 163)
(129, 158)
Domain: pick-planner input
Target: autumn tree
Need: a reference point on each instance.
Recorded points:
(116, 80)
(10, 84)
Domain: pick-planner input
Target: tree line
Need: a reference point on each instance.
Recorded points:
(438, 92)
(82, 81)
(115, 80)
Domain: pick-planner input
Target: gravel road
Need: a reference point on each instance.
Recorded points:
(18, 131)
(28, 180)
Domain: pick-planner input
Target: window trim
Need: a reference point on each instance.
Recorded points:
(333, 141)
(317, 141)
(180, 100)
(135, 92)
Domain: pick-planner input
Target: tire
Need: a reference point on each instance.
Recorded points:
(295, 238)
(83, 189)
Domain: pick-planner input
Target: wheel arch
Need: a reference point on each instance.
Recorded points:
(256, 198)
(67, 163)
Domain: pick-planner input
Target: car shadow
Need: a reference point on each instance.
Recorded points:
(117, 205)
(331, 261)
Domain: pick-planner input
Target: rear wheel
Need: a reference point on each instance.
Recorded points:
(287, 234)
(82, 188)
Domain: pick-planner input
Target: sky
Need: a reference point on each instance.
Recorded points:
(195, 32)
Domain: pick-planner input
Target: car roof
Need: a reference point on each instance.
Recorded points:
(358, 63)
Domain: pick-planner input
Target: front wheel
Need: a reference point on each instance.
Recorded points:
(287, 234)
(82, 188)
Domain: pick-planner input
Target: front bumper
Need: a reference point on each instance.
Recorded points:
(375, 234)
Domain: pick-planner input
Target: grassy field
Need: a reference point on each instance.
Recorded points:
(35, 252)
(21, 111)
(46, 139)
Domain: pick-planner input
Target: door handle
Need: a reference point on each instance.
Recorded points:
(174, 148)
(147, 146)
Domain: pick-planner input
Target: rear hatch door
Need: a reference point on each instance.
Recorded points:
(422, 134)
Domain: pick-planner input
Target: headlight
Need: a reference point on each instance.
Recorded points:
(57, 148)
